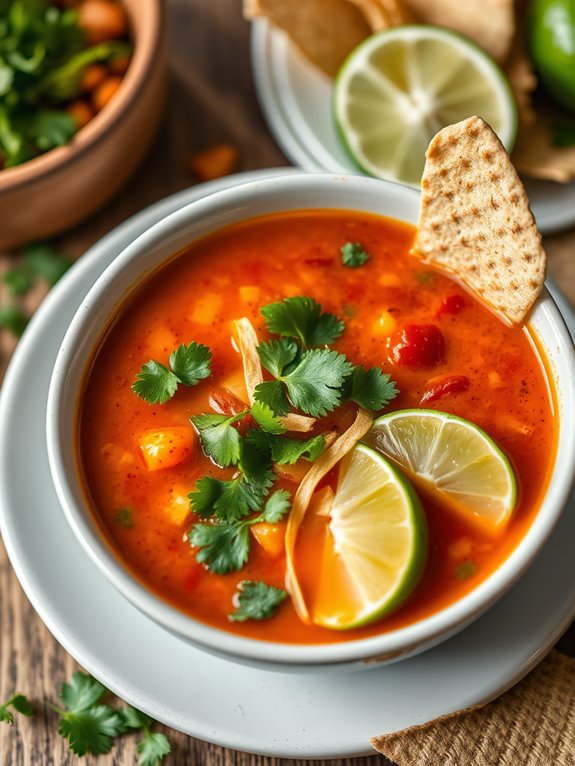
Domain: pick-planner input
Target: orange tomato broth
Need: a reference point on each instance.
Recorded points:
(232, 273)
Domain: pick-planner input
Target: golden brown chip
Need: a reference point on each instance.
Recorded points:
(490, 23)
(475, 221)
(381, 14)
(324, 30)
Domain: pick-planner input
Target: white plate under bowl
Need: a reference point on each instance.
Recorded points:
(296, 101)
(292, 715)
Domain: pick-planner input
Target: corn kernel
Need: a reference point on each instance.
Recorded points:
(385, 324)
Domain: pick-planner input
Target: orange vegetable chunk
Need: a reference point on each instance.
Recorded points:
(215, 162)
(270, 536)
(167, 447)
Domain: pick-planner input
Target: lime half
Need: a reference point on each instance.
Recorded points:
(401, 86)
(376, 545)
(452, 458)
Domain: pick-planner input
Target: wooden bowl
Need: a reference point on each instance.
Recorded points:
(56, 190)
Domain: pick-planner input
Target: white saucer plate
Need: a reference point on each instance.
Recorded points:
(296, 101)
(311, 715)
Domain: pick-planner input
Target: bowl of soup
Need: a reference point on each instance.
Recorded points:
(240, 412)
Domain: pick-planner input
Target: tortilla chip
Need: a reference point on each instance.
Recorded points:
(535, 154)
(475, 221)
(381, 14)
(322, 466)
(489, 23)
(324, 30)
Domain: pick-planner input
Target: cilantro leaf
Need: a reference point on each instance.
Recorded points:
(91, 730)
(132, 718)
(191, 363)
(257, 601)
(266, 418)
(286, 451)
(19, 280)
(276, 506)
(20, 703)
(371, 388)
(354, 255)
(152, 748)
(46, 262)
(223, 547)
(275, 355)
(237, 498)
(301, 318)
(12, 318)
(82, 692)
(155, 383)
(272, 394)
(51, 128)
(314, 385)
(219, 439)
(205, 494)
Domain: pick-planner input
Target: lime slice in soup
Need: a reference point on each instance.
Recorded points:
(453, 459)
(396, 90)
(375, 548)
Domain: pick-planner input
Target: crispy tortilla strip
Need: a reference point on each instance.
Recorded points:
(475, 220)
(490, 23)
(322, 501)
(325, 31)
(247, 341)
(535, 155)
(381, 14)
(322, 466)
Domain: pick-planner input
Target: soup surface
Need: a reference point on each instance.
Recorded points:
(143, 507)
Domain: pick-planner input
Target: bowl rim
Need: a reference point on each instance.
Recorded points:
(102, 124)
(400, 642)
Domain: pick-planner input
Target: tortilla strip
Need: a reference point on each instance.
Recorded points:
(489, 23)
(475, 221)
(325, 31)
(322, 466)
(247, 344)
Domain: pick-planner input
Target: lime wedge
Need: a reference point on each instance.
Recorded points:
(452, 458)
(375, 549)
(397, 89)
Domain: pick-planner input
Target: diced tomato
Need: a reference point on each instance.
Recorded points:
(167, 447)
(418, 345)
(451, 304)
(318, 261)
(450, 384)
(224, 402)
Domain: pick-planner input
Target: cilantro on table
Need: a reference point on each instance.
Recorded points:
(42, 57)
(302, 318)
(20, 703)
(257, 601)
(224, 545)
(12, 318)
(40, 261)
(189, 364)
(354, 255)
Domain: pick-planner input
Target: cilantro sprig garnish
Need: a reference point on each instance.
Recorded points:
(354, 255)
(287, 450)
(257, 601)
(189, 364)
(224, 546)
(372, 388)
(219, 439)
(302, 318)
(20, 703)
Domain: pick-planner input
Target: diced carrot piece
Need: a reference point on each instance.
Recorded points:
(117, 456)
(215, 162)
(92, 76)
(270, 537)
(206, 307)
(167, 447)
(80, 112)
(385, 324)
(177, 509)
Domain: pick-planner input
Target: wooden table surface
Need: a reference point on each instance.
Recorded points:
(211, 100)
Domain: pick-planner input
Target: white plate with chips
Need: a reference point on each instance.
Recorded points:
(291, 715)
(296, 100)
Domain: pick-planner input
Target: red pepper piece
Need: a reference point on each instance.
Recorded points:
(451, 304)
(318, 261)
(224, 402)
(418, 345)
(451, 384)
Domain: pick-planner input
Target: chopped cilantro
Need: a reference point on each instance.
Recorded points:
(313, 385)
(563, 134)
(223, 547)
(465, 570)
(12, 318)
(302, 318)
(276, 507)
(266, 418)
(156, 384)
(19, 280)
(354, 255)
(124, 518)
(20, 703)
(257, 601)
(371, 388)
(287, 450)
(219, 439)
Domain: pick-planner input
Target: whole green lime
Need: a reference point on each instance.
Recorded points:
(551, 35)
